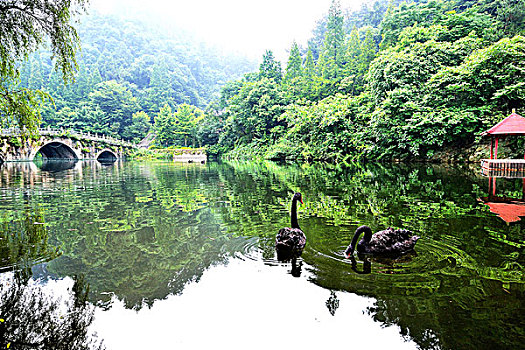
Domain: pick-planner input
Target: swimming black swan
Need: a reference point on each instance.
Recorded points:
(290, 241)
(389, 242)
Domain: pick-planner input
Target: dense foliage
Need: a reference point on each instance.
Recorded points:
(129, 72)
(402, 82)
(24, 26)
(393, 80)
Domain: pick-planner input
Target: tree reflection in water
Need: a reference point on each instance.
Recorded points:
(33, 318)
(332, 303)
(24, 240)
(142, 232)
(30, 316)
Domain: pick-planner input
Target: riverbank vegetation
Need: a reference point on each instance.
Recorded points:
(394, 80)
(400, 82)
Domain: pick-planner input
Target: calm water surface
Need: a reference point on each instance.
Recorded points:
(182, 256)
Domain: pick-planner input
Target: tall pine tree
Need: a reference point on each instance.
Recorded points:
(270, 68)
(367, 53)
(309, 75)
(294, 65)
(294, 71)
(334, 53)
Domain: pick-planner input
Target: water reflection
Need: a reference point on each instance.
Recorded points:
(24, 240)
(146, 233)
(508, 208)
(34, 318)
(56, 165)
(332, 303)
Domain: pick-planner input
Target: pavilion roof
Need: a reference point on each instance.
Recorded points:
(514, 124)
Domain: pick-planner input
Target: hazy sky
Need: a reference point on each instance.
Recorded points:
(244, 26)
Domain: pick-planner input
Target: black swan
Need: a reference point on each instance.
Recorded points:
(290, 241)
(389, 242)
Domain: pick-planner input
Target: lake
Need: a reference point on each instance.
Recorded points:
(182, 255)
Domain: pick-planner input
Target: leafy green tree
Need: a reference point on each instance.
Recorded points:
(334, 50)
(118, 105)
(351, 80)
(187, 120)
(95, 77)
(165, 127)
(160, 87)
(360, 54)
(332, 58)
(139, 128)
(367, 53)
(417, 56)
(253, 114)
(406, 15)
(294, 65)
(489, 78)
(24, 26)
(210, 128)
(309, 75)
(36, 80)
(510, 15)
(327, 130)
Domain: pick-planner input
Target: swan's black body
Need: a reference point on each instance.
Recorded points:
(290, 241)
(389, 242)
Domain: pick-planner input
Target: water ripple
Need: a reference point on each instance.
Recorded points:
(429, 256)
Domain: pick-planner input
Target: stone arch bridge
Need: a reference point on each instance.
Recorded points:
(60, 144)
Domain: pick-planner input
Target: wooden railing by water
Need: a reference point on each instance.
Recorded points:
(503, 167)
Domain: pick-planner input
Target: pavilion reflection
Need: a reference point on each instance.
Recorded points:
(509, 209)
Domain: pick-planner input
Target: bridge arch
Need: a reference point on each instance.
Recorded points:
(106, 155)
(56, 150)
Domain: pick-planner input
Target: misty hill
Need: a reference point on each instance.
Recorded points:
(127, 66)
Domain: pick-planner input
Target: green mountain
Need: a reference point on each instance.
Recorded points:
(126, 67)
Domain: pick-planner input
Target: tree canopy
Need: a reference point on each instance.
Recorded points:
(393, 80)
(390, 81)
(128, 68)
(24, 27)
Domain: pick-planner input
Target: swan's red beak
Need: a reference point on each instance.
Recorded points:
(301, 200)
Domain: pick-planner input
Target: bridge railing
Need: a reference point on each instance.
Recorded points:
(71, 133)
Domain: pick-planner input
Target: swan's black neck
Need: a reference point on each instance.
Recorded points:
(295, 224)
(361, 229)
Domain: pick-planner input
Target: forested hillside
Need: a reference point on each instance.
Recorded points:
(394, 80)
(389, 81)
(127, 71)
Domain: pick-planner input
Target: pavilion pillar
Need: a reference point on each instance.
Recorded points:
(492, 187)
(496, 149)
(492, 147)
